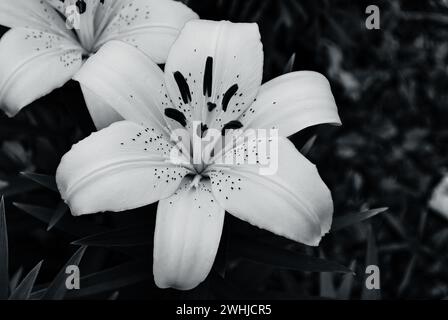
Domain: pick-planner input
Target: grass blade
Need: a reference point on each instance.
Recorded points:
(18, 185)
(308, 146)
(108, 280)
(284, 259)
(15, 279)
(345, 289)
(353, 218)
(112, 279)
(123, 237)
(290, 65)
(71, 225)
(23, 290)
(61, 209)
(326, 285)
(58, 289)
(114, 296)
(4, 263)
(67, 224)
(42, 179)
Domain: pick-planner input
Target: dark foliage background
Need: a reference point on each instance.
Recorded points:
(390, 86)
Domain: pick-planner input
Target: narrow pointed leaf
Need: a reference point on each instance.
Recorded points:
(407, 277)
(58, 289)
(112, 279)
(290, 65)
(326, 285)
(15, 279)
(23, 290)
(108, 280)
(57, 215)
(18, 185)
(71, 225)
(114, 296)
(284, 259)
(42, 179)
(123, 237)
(68, 224)
(346, 287)
(4, 263)
(353, 218)
(308, 146)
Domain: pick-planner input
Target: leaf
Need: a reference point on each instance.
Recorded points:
(346, 287)
(284, 259)
(70, 225)
(108, 280)
(290, 65)
(407, 276)
(353, 218)
(326, 285)
(58, 289)
(74, 226)
(308, 145)
(225, 289)
(14, 281)
(23, 290)
(57, 215)
(114, 295)
(112, 279)
(4, 263)
(42, 179)
(18, 185)
(123, 237)
(371, 259)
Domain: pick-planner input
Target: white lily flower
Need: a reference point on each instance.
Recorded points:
(41, 52)
(213, 75)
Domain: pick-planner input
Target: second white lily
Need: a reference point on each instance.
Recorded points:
(41, 53)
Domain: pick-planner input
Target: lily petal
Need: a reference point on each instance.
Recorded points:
(32, 64)
(150, 25)
(293, 102)
(100, 111)
(128, 81)
(214, 70)
(187, 235)
(35, 14)
(295, 202)
(118, 168)
(57, 4)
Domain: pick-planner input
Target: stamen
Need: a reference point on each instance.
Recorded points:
(82, 6)
(204, 128)
(208, 77)
(232, 125)
(228, 95)
(176, 115)
(183, 86)
(195, 183)
(211, 106)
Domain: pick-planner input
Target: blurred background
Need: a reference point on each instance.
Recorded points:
(390, 86)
